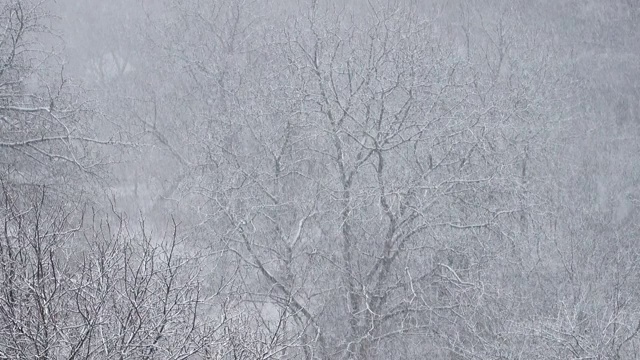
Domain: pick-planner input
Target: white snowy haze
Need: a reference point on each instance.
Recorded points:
(318, 179)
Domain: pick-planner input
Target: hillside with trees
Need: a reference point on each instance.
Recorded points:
(380, 179)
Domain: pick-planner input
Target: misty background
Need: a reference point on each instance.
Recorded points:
(289, 179)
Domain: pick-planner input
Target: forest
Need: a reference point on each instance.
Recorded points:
(319, 179)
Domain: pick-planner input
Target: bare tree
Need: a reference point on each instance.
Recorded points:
(99, 291)
(378, 178)
(43, 118)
